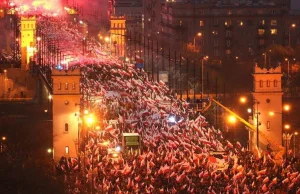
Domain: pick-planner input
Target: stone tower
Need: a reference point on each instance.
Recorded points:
(28, 26)
(267, 96)
(66, 100)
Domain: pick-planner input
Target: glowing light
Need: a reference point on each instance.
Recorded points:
(232, 119)
(35, 6)
(118, 148)
(243, 100)
(172, 119)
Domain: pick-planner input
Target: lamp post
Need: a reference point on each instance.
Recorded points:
(295, 134)
(290, 27)
(232, 120)
(2, 140)
(286, 128)
(202, 77)
(198, 34)
(288, 63)
(257, 122)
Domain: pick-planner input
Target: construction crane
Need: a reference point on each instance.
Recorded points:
(279, 148)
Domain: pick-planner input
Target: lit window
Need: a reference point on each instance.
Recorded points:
(228, 23)
(180, 23)
(201, 23)
(66, 86)
(260, 83)
(273, 22)
(59, 86)
(66, 127)
(275, 83)
(268, 83)
(268, 124)
(228, 52)
(262, 22)
(261, 31)
(273, 31)
(67, 150)
(73, 86)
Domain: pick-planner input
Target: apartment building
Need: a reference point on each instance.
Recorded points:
(228, 29)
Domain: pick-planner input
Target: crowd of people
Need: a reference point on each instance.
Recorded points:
(176, 155)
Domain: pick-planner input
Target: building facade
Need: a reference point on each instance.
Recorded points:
(229, 29)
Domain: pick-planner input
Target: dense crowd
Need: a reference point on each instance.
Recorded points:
(175, 157)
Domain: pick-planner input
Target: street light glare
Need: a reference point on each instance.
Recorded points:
(49, 150)
(286, 107)
(3, 138)
(90, 119)
(243, 100)
(271, 113)
(232, 119)
(287, 126)
(249, 110)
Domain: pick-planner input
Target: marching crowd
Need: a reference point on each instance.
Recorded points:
(175, 156)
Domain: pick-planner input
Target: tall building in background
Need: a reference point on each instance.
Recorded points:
(229, 29)
(133, 12)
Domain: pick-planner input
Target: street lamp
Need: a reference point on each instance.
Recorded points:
(198, 34)
(2, 140)
(295, 134)
(202, 77)
(232, 119)
(291, 26)
(108, 40)
(287, 127)
(256, 113)
(257, 122)
(288, 62)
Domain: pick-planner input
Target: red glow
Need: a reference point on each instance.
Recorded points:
(44, 6)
